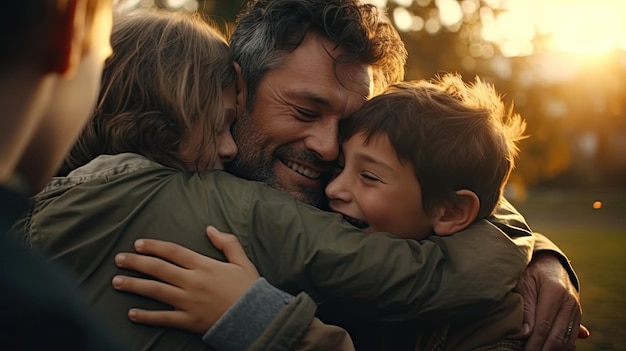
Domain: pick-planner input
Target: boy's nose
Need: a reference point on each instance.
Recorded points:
(336, 189)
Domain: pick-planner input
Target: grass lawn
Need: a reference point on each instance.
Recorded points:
(595, 242)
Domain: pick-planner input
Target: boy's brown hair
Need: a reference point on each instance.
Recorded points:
(165, 80)
(454, 135)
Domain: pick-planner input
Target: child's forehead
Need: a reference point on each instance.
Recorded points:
(376, 144)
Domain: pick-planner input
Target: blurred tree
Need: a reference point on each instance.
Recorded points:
(224, 9)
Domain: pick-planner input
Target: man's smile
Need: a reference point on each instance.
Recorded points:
(303, 170)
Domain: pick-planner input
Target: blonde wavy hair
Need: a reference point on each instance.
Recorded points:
(164, 81)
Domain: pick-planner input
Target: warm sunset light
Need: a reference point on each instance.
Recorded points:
(583, 27)
(597, 205)
(570, 26)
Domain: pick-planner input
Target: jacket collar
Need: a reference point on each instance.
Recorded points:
(100, 167)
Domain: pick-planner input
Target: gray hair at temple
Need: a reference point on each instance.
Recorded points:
(267, 30)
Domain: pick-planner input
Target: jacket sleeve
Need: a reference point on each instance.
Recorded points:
(274, 320)
(509, 219)
(298, 248)
(543, 244)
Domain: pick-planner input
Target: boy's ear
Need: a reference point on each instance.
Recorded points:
(241, 88)
(66, 41)
(451, 218)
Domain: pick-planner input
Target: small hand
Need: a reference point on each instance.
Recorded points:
(199, 288)
(551, 305)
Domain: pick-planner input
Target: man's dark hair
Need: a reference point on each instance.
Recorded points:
(267, 30)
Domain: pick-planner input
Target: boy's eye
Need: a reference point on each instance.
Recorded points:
(369, 177)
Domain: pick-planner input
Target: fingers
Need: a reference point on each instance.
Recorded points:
(231, 247)
(171, 252)
(172, 319)
(529, 296)
(559, 332)
(574, 325)
(219, 239)
(568, 342)
(543, 326)
(163, 292)
(583, 332)
(152, 266)
(529, 316)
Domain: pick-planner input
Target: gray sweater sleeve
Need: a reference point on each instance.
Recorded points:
(246, 320)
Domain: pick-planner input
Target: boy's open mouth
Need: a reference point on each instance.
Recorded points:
(356, 222)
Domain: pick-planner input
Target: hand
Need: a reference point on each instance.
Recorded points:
(551, 305)
(199, 288)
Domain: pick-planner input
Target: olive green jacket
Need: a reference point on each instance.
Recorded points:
(100, 209)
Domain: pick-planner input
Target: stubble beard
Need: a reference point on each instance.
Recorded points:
(255, 161)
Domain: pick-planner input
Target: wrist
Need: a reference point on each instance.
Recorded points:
(255, 310)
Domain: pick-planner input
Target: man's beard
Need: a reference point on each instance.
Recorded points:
(255, 161)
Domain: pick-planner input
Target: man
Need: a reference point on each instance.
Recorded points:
(303, 73)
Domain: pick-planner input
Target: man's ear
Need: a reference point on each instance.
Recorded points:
(451, 218)
(66, 40)
(242, 91)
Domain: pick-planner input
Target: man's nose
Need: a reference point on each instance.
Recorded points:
(323, 140)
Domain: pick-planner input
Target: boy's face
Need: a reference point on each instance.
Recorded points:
(377, 192)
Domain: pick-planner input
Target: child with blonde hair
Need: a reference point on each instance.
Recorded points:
(168, 93)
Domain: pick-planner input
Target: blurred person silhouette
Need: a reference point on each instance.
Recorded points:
(52, 58)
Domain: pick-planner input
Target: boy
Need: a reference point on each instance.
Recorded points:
(52, 59)
(425, 158)
(421, 159)
(431, 158)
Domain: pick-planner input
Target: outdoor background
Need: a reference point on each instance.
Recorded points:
(563, 65)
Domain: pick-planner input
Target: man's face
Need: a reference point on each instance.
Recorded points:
(289, 140)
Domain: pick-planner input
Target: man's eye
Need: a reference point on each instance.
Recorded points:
(307, 114)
